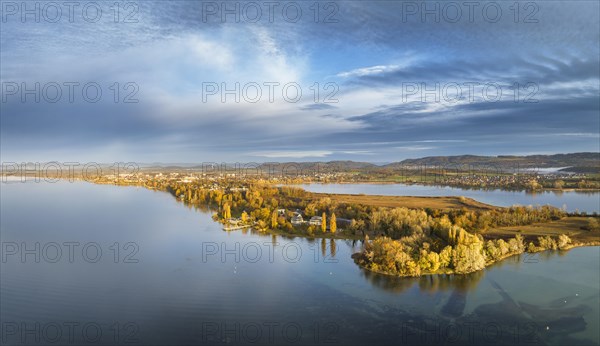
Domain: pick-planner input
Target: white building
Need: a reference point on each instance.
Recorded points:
(316, 221)
(297, 219)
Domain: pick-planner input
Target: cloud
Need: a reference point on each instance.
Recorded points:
(357, 152)
(170, 53)
(293, 154)
(367, 71)
(414, 148)
(317, 106)
(581, 135)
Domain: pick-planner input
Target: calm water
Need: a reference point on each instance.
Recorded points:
(582, 201)
(194, 283)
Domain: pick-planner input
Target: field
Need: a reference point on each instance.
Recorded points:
(571, 226)
(411, 202)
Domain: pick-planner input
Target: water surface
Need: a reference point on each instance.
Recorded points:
(194, 283)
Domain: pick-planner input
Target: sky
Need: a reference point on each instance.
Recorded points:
(227, 81)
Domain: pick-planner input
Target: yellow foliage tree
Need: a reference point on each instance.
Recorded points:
(226, 211)
(274, 221)
(333, 223)
(324, 223)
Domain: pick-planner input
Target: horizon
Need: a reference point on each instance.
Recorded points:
(376, 163)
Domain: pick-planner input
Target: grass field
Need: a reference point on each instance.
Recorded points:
(443, 203)
(571, 226)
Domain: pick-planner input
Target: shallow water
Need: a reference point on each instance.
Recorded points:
(178, 278)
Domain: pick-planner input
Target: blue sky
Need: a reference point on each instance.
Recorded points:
(393, 69)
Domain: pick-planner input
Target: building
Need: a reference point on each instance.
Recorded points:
(297, 219)
(315, 221)
(234, 221)
(281, 212)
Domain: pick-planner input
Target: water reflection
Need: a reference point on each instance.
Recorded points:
(426, 283)
(173, 289)
(333, 247)
(517, 261)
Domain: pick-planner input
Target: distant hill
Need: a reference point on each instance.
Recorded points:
(506, 161)
(575, 162)
(330, 165)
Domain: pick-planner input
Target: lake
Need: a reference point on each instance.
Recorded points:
(101, 264)
(571, 200)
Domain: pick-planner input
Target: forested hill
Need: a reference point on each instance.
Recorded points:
(538, 161)
(576, 162)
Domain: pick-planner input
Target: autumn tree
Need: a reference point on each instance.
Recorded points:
(226, 211)
(563, 241)
(445, 256)
(274, 221)
(467, 258)
(332, 224)
(592, 224)
(310, 209)
(547, 242)
(532, 185)
(324, 223)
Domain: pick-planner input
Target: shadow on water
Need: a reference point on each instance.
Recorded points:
(549, 323)
(509, 321)
(426, 283)
(517, 261)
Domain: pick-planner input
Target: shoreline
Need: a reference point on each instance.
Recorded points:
(358, 255)
(341, 235)
(6, 178)
(465, 187)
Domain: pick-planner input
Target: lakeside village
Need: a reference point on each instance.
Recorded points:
(522, 181)
(282, 216)
(531, 180)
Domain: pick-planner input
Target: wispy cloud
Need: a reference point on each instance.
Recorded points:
(414, 148)
(368, 71)
(293, 154)
(581, 135)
